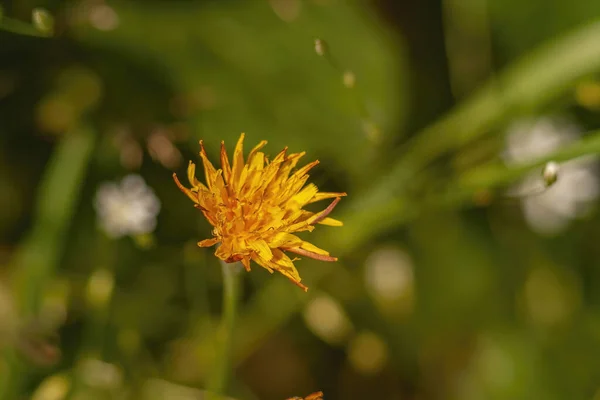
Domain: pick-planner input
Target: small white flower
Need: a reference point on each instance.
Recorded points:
(128, 208)
(576, 187)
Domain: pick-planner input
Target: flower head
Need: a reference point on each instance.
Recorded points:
(128, 208)
(570, 193)
(256, 207)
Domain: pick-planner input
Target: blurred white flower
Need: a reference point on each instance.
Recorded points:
(576, 189)
(367, 353)
(389, 279)
(326, 318)
(389, 272)
(128, 208)
(103, 17)
(100, 374)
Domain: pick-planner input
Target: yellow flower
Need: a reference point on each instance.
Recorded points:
(256, 207)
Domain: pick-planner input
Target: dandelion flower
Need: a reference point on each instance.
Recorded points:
(256, 207)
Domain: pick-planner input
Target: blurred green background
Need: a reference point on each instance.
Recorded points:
(461, 275)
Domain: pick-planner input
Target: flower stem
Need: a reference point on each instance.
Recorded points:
(217, 382)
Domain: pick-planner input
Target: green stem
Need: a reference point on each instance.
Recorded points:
(498, 174)
(358, 99)
(218, 380)
(20, 27)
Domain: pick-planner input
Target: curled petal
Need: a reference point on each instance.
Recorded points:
(315, 219)
(193, 196)
(321, 216)
(255, 150)
(310, 254)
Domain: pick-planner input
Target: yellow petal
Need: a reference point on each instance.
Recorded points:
(280, 157)
(262, 249)
(268, 175)
(303, 224)
(305, 195)
(208, 242)
(254, 151)
(238, 162)
(209, 170)
(224, 251)
(250, 185)
(242, 178)
(288, 164)
(295, 157)
(225, 164)
(191, 173)
(331, 222)
(257, 162)
(262, 262)
(209, 217)
(284, 263)
(292, 187)
(219, 186)
(313, 249)
(246, 263)
(318, 217)
(304, 170)
(325, 195)
(284, 239)
(193, 196)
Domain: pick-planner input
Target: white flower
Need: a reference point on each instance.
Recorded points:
(389, 273)
(326, 318)
(576, 188)
(128, 208)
